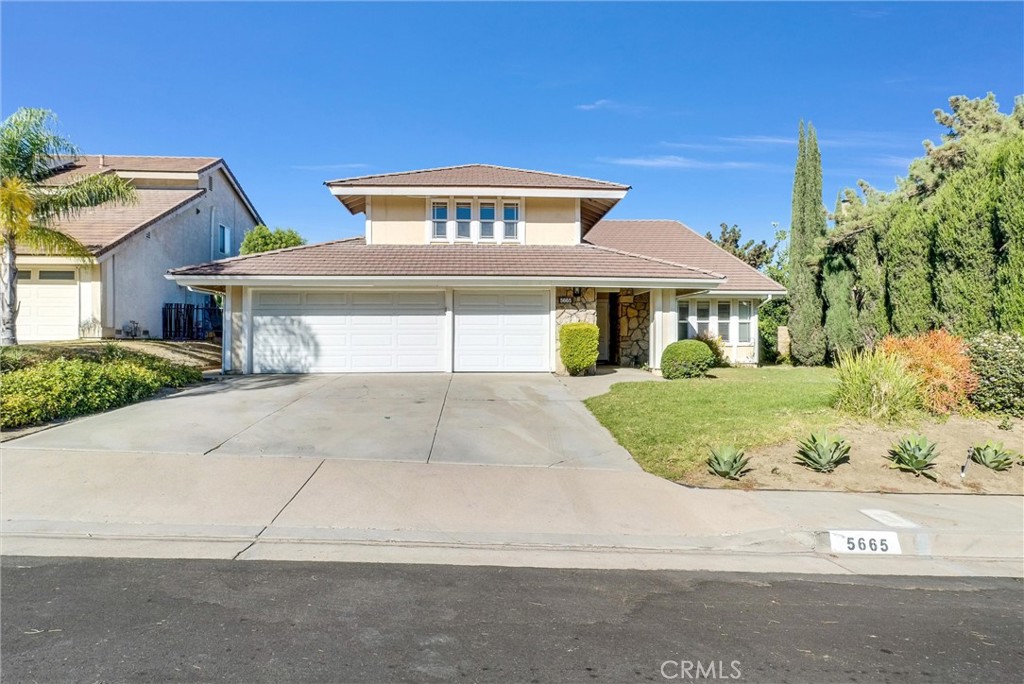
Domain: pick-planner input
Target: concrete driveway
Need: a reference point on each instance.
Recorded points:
(475, 419)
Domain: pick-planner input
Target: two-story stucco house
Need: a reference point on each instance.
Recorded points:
(474, 268)
(189, 209)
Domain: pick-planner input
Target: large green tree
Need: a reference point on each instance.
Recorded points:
(906, 249)
(756, 254)
(262, 239)
(808, 228)
(1008, 167)
(30, 148)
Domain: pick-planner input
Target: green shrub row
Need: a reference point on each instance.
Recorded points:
(998, 361)
(66, 388)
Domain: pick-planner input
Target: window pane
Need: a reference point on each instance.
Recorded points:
(487, 212)
(744, 310)
(440, 212)
(486, 230)
(439, 216)
(745, 332)
(723, 330)
(440, 229)
(702, 327)
(724, 310)
(511, 212)
(703, 310)
(56, 275)
(24, 275)
(463, 212)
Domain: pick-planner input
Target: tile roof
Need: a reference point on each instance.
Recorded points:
(676, 242)
(88, 164)
(479, 175)
(103, 227)
(353, 257)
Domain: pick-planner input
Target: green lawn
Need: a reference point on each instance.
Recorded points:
(668, 426)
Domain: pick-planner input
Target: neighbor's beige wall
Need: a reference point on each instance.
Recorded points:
(238, 342)
(550, 221)
(398, 220)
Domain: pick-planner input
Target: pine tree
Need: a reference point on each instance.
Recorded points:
(808, 227)
(1009, 167)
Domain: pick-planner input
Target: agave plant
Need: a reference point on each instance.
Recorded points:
(914, 454)
(728, 462)
(823, 453)
(993, 455)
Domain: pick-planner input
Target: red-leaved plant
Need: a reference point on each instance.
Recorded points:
(941, 361)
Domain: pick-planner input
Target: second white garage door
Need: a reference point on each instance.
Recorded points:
(354, 332)
(503, 331)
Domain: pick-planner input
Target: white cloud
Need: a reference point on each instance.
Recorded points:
(596, 104)
(672, 161)
(610, 106)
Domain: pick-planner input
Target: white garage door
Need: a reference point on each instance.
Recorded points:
(348, 332)
(48, 305)
(502, 331)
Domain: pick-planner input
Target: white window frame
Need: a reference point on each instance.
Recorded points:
(729, 336)
(480, 221)
(697, 320)
(686, 329)
(451, 224)
(740, 320)
(431, 203)
(472, 213)
(223, 239)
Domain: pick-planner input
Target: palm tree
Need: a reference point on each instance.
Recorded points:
(29, 150)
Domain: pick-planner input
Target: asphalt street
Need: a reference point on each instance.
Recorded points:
(101, 620)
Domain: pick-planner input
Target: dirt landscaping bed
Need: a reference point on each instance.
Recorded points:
(774, 467)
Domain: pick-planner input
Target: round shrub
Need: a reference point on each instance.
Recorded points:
(998, 361)
(686, 359)
(578, 346)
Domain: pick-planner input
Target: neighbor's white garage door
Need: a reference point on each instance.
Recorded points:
(48, 305)
(502, 331)
(348, 332)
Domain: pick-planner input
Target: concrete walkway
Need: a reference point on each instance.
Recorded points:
(108, 503)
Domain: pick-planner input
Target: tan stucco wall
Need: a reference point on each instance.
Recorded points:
(134, 287)
(398, 220)
(550, 221)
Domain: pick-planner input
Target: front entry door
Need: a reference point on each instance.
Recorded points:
(604, 327)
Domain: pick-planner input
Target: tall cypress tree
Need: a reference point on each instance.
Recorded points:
(808, 227)
(872, 314)
(1009, 165)
(963, 212)
(838, 277)
(908, 273)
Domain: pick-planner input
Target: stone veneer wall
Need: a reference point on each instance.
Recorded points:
(634, 328)
(583, 309)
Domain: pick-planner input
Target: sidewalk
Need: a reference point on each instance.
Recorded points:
(139, 505)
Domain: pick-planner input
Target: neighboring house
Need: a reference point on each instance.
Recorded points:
(189, 209)
(474, 268)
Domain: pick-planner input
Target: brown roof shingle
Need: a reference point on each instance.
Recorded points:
(103, 227)
(88, 164)
(676, 242)
(479, 175)
(353, 257)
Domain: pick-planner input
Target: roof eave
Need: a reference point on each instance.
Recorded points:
(435, 281)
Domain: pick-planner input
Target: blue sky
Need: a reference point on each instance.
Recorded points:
(694, 105)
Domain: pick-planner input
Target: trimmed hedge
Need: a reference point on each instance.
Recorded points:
(998, 361)
(686, 359)
(578, 346)
(66, 388)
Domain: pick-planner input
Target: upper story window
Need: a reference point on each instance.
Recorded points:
(439, 219)
(488, 214)
(223, 239)
(510, 217)
(464, 220)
